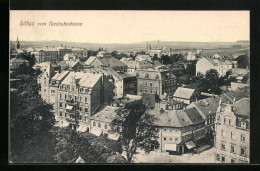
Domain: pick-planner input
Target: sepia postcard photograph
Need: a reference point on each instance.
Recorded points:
(129, 87)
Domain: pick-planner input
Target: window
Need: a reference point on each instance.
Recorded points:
(60, 96)
(170, 139)
(151, 84)
(223, 146)
(60, 104)
(99, 124)
(65, 96)
(65, 114)
(232, 161)
(80, 99)
(229, 121)
(243, 151)
(232, 135)
(243, 138)
(86, 119)
(223, 159)
(94, 123)
(225, 121)
(157, 77)
(86, 99)
(52, 91)
(217, 157)
(105, 126)
(60, 113)
(146, 76)
(151, 91)
(243, 124)
(86, 110)
(232, 148)
(145, 90)
(176, 139)
(164, 129)
(164, 138)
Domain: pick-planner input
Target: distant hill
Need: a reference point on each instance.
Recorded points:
(137, 46)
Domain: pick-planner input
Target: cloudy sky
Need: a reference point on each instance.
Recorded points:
(132, 26)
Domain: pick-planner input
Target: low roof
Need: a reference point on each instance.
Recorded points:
(106, 114)
(185, 93)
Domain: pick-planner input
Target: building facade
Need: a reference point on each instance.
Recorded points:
(157, 81)
(232, 137)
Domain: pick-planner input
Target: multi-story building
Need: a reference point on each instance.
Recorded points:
(178, 130)
(205, 64)
(76, 96)
(143, 58)
(80, 53)
(133, 65)
(232, 132)
(124, 83)
(207, 109)
(157, 81)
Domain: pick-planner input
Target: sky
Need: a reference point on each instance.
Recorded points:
(132, 26)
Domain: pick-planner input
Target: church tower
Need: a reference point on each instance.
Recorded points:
(17, 44)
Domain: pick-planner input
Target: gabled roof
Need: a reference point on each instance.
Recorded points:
(126, 75)
(83, 79)
(208, 106)
(230, 96)
(106, 61)
(184, 93)
(59, 76)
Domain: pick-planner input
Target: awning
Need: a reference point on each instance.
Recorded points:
(96, 132)
(190, 144)
(69, 107)
(170, 147)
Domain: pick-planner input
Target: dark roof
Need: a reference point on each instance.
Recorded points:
(106, 61)
(242, 107)
(125, 74)
(230, 96)
(207, 106)
(194, 115)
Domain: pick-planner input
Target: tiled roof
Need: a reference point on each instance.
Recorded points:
(242, 107)
(106, 61)
(238, 71)
(171, 118)
(59, 76)
(185, 93)
(105, 114)
(207, 106)
(194, 115)
(103, 70)
(229, 96)
(84, 79)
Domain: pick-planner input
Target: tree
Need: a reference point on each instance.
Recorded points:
(191, 69)
(117, 159)
(155, 57)
(243, 61)
(71, 144)
(137, 129)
